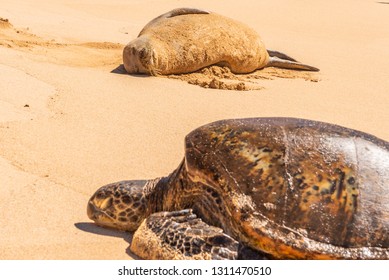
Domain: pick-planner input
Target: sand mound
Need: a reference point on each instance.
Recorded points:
(102, 45)
(4, 23)
(222, 78)
(88, 54)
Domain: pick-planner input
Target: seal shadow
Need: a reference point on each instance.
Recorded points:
(93, 228)
(380, 2)
(119, 70)
(122, 71)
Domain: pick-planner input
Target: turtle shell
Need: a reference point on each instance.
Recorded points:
(296, 188)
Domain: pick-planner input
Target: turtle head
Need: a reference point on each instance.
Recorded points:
(122, 205)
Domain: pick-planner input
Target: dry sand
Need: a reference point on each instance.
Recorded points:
(71, 122)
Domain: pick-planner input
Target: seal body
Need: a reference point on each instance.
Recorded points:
(189, 42)
(185, 40)
(285, 188)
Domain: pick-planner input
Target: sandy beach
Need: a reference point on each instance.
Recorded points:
(70, 121)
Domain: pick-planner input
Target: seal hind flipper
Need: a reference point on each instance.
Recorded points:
(181, 235)
(275, 61)
(280, 55)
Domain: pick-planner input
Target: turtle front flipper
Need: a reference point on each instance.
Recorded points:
(181, 235)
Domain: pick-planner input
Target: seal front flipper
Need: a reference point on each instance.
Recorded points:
(275, 61)
(181, 235)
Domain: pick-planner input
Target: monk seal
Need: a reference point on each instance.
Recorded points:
(185, 40)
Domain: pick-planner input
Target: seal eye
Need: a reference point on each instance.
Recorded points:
(106, 203)
(143, 53)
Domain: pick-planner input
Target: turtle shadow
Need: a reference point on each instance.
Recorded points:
(93, 228)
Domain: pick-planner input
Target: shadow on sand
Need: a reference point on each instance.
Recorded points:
(119, 70)
(122, 71)
(93, 228)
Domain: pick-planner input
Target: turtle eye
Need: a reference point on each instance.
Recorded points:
(106, 203)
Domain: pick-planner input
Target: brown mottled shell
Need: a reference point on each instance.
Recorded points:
(295, 188)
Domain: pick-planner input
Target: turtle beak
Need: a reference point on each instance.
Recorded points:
(96, 208)
(91, 211)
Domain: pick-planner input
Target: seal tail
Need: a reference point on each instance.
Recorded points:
(275, 61)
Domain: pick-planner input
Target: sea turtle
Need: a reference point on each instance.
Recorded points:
(185, 40)
(279, 188)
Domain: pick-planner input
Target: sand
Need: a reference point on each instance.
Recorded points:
(71, 121)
